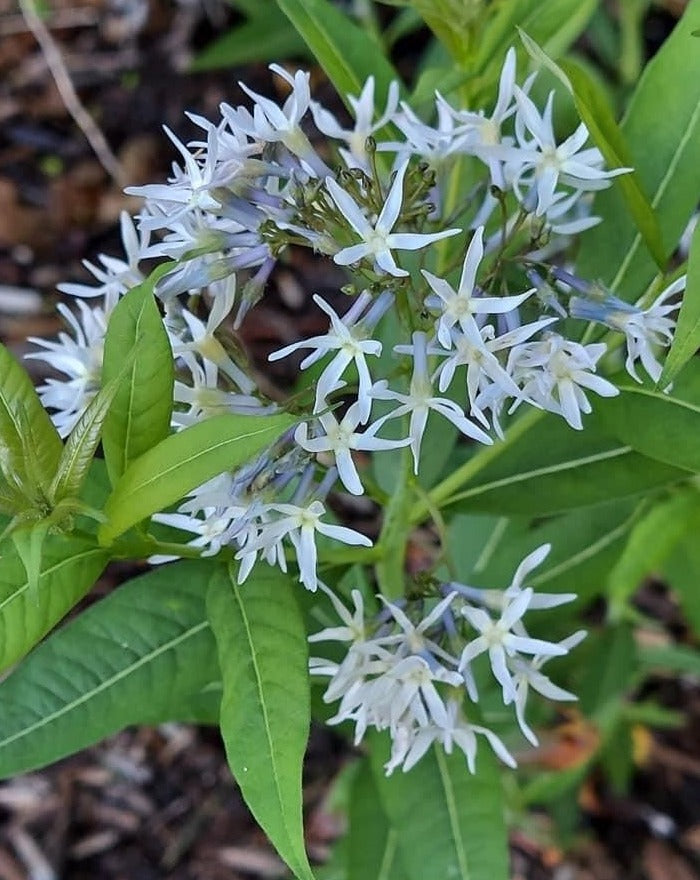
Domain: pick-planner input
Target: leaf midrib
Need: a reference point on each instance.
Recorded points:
(88, 695)
(48, 571)
(658, 195)
(263, 705)
(131, 395)
(452, 813)
(194, 457)
(540, 472)
(587, 553)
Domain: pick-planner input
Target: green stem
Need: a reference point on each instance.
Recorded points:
(141, 547)
(393, 539)
(450, 485)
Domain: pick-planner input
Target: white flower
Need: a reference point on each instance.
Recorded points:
(378, 240)
(396, 691)
(363, 108)
(527, 674)
(340, 438)
(349, 337)
(273, 124)
(476, 348)
(538, 601)
(551, 163)
(116, 276)
(353, 629)
(496, 638)
(555, 371)
(300, 524)
(420, 401)
(78, 357)
(187, 190)
(497, 600)
(433, 144)
(205, 399)
(644, 329)
(457, 307)
(412, 638)
(203, 342)
(412, 743)
(482, 133)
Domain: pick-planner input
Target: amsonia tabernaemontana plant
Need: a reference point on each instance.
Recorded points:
(510, 372)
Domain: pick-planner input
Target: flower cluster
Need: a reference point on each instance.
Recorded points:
(463, 281)
(411, 674)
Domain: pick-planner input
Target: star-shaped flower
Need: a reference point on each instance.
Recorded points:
(457, 307)
(378, 240)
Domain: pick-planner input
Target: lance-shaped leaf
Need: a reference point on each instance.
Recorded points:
(486, 550)
(651, 542)
(30, 447)
(543, 466)
(133, 658)
(185, 460)
(372, 846)
(69, 567)
(265, 710)
(81, 445)
(265, 36)
(448, 823)
(662, 426)
(140, 413)
(346, 53)
(595, 111)
(662, 140)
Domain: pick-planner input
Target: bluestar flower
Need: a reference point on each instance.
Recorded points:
(349, 337)
(339, 438)
(378, 240)
(458, 307)
(420, 400)
(496, 638)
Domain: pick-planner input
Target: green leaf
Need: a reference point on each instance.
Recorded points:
(185, 460)
(670, 658)
(263, 38)
(553, 26)
(682, 571)
(544, 466)
(661, 128)
(265, 710)
(132, 658)
(596, 112)
(30, 447)
(686, 339)
(69, 567)
(29, 541)
(81, 445)
(448, 823)
(661, 426)
(344, 51)
(372, 845)
(608, 662)
(12, 499)
(585, 545)
(140, 413)
(651, 541)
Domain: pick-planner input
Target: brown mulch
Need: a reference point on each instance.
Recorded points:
(160, 804)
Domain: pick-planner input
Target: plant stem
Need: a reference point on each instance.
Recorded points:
(447, 488)
(394, 536)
